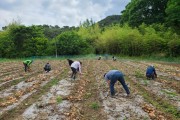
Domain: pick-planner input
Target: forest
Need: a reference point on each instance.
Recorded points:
(144, 28)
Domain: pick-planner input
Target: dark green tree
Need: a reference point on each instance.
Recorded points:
(25, 40)
(173, 17)
(70, 43)
(144, 11)
(6, 45)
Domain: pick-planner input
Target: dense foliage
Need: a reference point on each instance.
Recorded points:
(146, 27)
(147, 11)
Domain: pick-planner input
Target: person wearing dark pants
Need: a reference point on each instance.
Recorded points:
(151, 72)
(75, 67)
(112, 77)
(27, 64)
(47, 67)
(74, 72)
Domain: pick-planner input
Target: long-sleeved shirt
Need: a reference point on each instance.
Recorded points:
(109, 75)
(28, 62)
(150, 70)
(76, 65)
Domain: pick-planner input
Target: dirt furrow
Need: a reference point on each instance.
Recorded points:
(35, 94)
(150, 91)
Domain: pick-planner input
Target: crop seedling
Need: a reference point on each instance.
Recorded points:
(59, 99)
(87, 95)
(94, 105)
(145, 82)
(172, 94)
(138, 74)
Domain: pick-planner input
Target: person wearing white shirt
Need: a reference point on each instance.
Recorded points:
(75, 67)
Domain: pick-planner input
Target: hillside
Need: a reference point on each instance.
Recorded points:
(109, 20)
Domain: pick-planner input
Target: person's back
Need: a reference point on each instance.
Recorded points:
(75, 67)
(149, 70)
(115, 75)
(27, 65)
(47, 67)
(75, 64)
(111, 73)
(28, 62)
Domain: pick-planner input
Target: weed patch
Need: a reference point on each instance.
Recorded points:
(138, 74)
(59, 99)
(95, 105)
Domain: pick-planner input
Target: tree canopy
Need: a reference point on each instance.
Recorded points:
(146, 27)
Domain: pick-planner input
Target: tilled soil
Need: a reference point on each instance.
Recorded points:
(87, 97)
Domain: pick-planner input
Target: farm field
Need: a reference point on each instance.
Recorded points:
(37, 95)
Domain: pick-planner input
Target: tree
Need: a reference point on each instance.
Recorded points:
(174, 46)
(144, 11)
(172, 11)
(6, 45)
(70, 43)
(110, 20)
(24, 39)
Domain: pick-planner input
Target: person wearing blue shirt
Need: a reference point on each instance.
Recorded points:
(112, 77)
(151, 72)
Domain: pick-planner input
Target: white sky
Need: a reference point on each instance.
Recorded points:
(58, 12)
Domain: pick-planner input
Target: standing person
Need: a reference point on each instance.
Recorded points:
(151, 72)
(27, 64)
(47, 67)
(75, 67)
(112, 77)
(70, 62)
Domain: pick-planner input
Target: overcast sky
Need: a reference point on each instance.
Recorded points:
(58, 12)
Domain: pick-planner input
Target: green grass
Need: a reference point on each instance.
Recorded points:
(5, 60)
(150, 58)
(53, 82)
(94, 56)
(94, 105)
(138, 74)
(59, 99)
(87, 95)
(146, 82)
(173, 94)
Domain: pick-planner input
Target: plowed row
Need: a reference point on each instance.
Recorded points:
(37, 95)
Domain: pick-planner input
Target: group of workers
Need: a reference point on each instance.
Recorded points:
(111, 76)
(27, 64)
(106, 57)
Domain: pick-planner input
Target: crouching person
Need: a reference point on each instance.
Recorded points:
(47, 67)
(151, 72)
